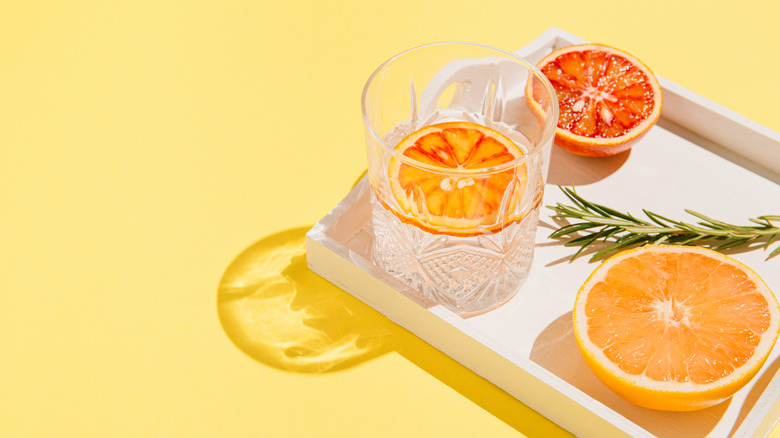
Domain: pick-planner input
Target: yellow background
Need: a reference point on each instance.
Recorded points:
(160, 159)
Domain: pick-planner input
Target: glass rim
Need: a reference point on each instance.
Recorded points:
(549, 127)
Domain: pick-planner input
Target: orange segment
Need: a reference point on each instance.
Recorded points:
(673, 327)
(442, 188)
(607, 98)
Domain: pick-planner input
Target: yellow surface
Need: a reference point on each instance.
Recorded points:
(161, 161)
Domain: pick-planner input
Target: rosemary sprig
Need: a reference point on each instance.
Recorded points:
(590, 222)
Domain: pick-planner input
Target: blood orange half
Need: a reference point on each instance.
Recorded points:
(448, 185)
(608, 99)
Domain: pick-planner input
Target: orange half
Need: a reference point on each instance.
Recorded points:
(675, 328)
(447, 185)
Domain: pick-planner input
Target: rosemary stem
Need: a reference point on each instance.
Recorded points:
(589, 222)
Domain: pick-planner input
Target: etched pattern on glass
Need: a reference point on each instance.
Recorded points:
(462, 273)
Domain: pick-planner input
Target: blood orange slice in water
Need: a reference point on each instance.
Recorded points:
(447, 182)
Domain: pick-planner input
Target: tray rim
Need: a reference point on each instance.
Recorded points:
(595, 419)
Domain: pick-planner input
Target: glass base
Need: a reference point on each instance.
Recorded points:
(468, 275)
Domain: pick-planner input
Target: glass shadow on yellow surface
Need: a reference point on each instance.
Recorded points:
(556, 350)
(280, 313)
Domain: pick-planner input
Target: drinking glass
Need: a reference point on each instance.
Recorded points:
(461, 234)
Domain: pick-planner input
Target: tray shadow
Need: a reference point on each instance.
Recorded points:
(278, 312)
(768, 373)
(556, 350)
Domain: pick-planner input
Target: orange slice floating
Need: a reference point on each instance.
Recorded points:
(447, 186)
(607, 98)
(674, 327)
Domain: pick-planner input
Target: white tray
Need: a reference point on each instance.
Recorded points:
(699, 156)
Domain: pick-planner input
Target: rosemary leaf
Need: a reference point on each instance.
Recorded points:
(616, 246)
(718, 224)
(584, 245)
(686, 239)
(589, 206)
(603, 220)
(584, 240)
(613, 231)
(660, 220)
(616, 213)
(568, 229)
(649, 229)
(661, 238)
(571, 194)
(760, 222)
(733, 244)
